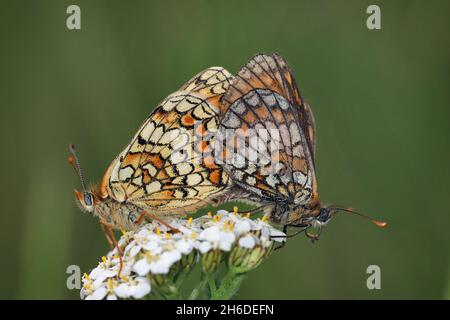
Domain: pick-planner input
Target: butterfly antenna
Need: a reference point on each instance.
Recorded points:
(381, 224)
(75, 163)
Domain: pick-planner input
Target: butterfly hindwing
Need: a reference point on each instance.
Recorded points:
(272, 71)
(263, 145)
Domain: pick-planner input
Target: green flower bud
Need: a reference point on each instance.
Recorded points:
(188, 261)
(157, 280)
(211, 260)
(242, 260)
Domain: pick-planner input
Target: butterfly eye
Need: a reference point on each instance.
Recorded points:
(88, 199)
(324, 215)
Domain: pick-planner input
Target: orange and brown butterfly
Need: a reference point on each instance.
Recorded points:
(168, 167)
(267, 145)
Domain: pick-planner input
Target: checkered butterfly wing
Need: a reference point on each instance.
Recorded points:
(211, 83)
(168, 165)
(267, 136)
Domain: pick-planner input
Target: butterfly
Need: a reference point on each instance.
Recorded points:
(267, 145)
(168, 167)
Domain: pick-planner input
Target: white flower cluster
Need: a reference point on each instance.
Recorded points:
(225, 229)
(153, 250)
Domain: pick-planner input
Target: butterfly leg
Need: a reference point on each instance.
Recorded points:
(314, 236)
(257, 210)
(253, 211)
(109, 228)
(111, 233)
(110, 242)
(154, 217)
(285, 227)
(303, 228)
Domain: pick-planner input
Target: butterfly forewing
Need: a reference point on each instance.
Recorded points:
(169, 164)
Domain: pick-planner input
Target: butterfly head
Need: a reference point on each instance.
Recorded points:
(325, 214)
(318, 215)
(85, 199)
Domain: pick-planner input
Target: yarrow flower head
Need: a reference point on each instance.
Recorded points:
(156, 259)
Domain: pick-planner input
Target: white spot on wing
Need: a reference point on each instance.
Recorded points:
(150, 168)
(180, 141)
(299, 177)
(231, 120)
(269, 99)
(153, 187)
(147, 130)
(177, 157)
(239, 107)
(169, 136)
(252, 99)
(156, 135)
(251, 180)
(184, 168)
(285, 179)
(194, 179)
(282, 102)
(272, 180)
(295, 133)
(251, 168)
(138, 181)
(125, 173)
(238, 175)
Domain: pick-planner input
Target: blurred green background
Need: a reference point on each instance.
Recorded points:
(380, 98)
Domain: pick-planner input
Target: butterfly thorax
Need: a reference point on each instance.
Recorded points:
(287, 213)
(122, 215)
(312, 214)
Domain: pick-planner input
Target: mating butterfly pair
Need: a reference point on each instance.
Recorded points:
(218, 138)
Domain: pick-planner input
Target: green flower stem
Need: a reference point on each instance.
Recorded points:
(212, 287)
(200, 287)
(155, 294)
(228, 286)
